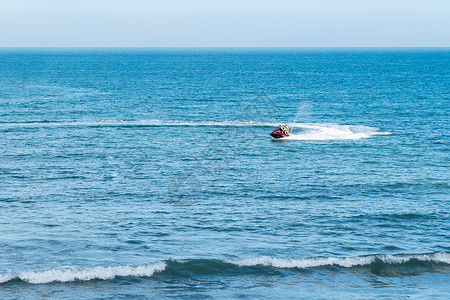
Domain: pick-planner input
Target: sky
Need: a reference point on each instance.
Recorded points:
(225, 23)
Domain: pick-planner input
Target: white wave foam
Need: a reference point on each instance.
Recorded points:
(67, 275)
(5, 277)
(105, 273)
(347, 262)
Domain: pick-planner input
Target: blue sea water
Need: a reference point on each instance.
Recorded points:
(150, 173)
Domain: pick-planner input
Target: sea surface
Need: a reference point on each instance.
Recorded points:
(150, 173)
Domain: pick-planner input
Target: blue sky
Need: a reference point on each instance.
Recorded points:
(213, 23)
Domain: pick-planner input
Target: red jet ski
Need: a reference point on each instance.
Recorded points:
(281, 132)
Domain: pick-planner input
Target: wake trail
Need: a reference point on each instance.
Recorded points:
(155, 123)
(324, 132)
(300, 131)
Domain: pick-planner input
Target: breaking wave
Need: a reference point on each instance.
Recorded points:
(68, 275)
(434, 262)
(300, 131)
(346, 262)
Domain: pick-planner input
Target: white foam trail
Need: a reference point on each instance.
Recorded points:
(309, 131)
(136, 123)
(324, 132)
(67, 275)
(347, 262)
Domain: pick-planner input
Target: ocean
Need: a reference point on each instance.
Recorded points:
(149, 173)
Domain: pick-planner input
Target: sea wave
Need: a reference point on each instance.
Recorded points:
(76, 274)
(432, 262)
(346, 262)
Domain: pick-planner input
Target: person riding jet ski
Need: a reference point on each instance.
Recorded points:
(282, 131)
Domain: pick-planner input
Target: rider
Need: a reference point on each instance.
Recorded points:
(284, 129)
(281, 128)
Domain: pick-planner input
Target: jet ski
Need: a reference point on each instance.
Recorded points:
(281, 132)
